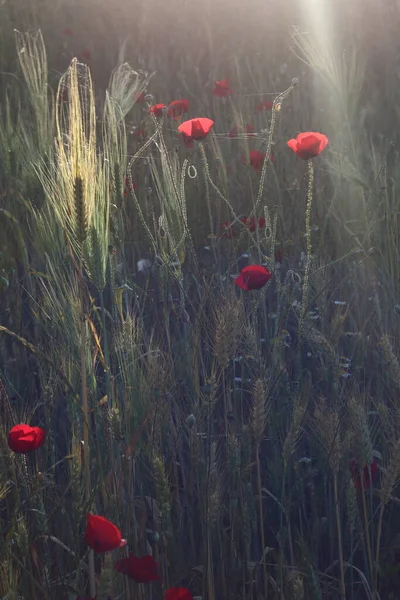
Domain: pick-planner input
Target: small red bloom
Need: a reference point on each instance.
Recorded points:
(264, 105)
(157, 110)
(141, 569)
(308, 145)
(24, 438)
(367, 479)
(222, 89)
(249, 129)
(278, 255)
(233, 132)
(249, 223)
(140, 98)
(102, 535)
(196, 129)
(227, 230)
(256, 159)
(127, 186)
(253, 277)
(177, 108)
(252, 223)
(178, 593)
(86, 54)
(139, 134)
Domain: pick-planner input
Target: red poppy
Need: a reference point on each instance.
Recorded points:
(140, 98)
(102, 535)
(24, 438)
(264, 105)
(256, 159)
(253, 277)
(368, 478)
(157, 110)
(141, 569)
(196, 129)
(178, 593)
(68, 32)
(308, 145)
(248, 129)
(177, 108)
(222, 89)
(86, 54)
(127, 186)
(278, 255)
(139, 134)
(252, 223)
(227, 230)
(249, 223)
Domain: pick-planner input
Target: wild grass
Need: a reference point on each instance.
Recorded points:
(213, 426)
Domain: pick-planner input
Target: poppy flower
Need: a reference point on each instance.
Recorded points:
(141, 569)
(139, 134)
(256, 159)
(368, 478)
(308, 145)
(140, 98)
(264, 105)
(222, 89)
(253, 223)
(253, 277)
(156, 110)
(24, 438)
(127, 186)
(178, 593)
(196, 129)
(102, 535)
(249, 223)
(177, 108)
(227, 230)
(86, 54)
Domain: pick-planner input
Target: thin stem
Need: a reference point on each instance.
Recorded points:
(366, 526)
(377, 552)
(261, 511)
(339, 535)
(309, 248)
(85, 412)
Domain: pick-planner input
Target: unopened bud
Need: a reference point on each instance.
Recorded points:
(191, 421)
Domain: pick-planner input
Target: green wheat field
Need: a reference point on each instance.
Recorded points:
(199, 300)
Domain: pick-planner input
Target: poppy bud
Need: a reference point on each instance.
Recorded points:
(153, 537)
(295, 81)
(191, 421)
(148, 98)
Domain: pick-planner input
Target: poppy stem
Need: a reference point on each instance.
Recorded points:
(366, 525)
(85, 413)
(304, 299)
(262, 517)
(378, 543)
(339, 534)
